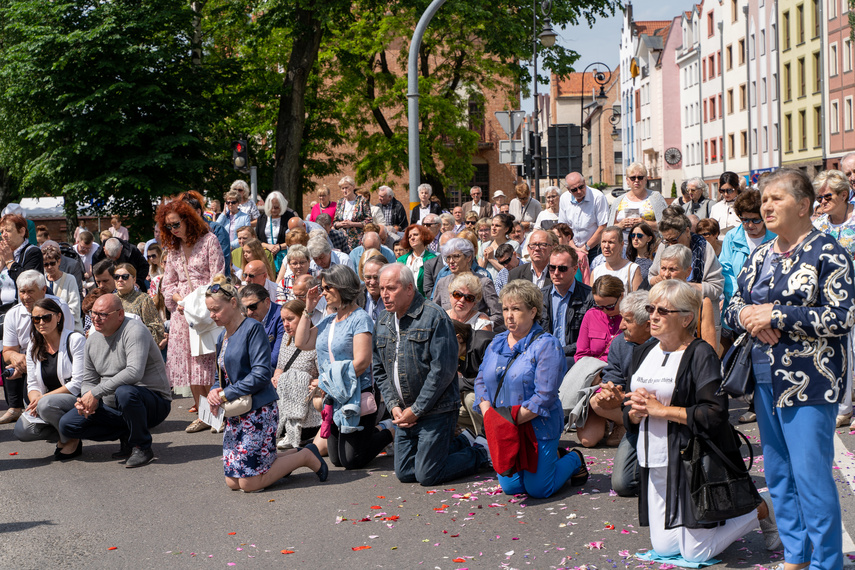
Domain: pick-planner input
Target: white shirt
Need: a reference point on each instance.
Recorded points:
(339, 258)
(626, 273)
(18, 325)
(539, 281)
(658, 375)
(723, 213)
(476, 207)
(395, 378)
(583, 217)
(753, 242)
(87, 258)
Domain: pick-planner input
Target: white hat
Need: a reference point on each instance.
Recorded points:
(13, 208)
(498, 193)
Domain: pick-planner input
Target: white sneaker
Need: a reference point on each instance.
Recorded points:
(470, 437)
(283, 445)
(769, 525)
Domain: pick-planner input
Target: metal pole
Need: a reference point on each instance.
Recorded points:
(253, 183)
(413, 97)
(535, 157)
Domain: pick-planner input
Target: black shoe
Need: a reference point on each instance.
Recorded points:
(139, 457)
(58, 455)
(580, 477)
(124, 451)
(324, 470)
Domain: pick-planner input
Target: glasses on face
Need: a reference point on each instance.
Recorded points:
(704, 234)
(151, 256)
(42, 318)
(471, 223)
(673, 240)
(170, 227)
(728, 190)
(636, 178)
(606, 307)
(254, 306)
(431, 224)
(101, 316)
(505, 262)
(638, 236)
(455, 257)
(468, 297)
(231, 202)
(368, 278)
(825, 197)
(301, 296)
(552, 197)
(538, 245)
(559, 268)
(250, 275)
(576, 188)
(661, 311)
(328, 288)
(122, 276)
(751, 221)
(50, 263)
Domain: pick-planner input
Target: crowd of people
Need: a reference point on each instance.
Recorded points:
(335, 337)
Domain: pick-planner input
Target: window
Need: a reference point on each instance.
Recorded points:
(718, 60)
(786, 29)
(817, 24)
(730, 101)
(728, 55)
(775, 133)
(817, 73)
(832, 60)
(763, 91)
(743, 143)
(774, 87)
(706, 153)
(762, 42)
(774, 38)
(731, 146)
(801, 79)
(734, 10)
(802, 130)
(753, 141)
(817, 126)
(743, 102)
(742, 51)
(705, 110)
(712, 66)
(788, 81)
(751, 48)
(834, 117)
(710, 24)
(847, 55)
(832, 9)
(720, 108)
(800, 24)
(847, 114)
(704, 71)
(753, 94)
(765, 141)
(712, 109)
(788, 132)
(713, 153)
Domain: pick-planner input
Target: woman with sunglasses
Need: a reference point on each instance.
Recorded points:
(138, 303)
(417, 237)
(638, 204)
(62, 284)
(193, 258)
(459, 255)
(676, 263)
(641, 248)
(54, 373)
(614, 263)
(674, 397)
(465, 292)
(548, 217)
(250, 461)
(233, 218)
(722, 211)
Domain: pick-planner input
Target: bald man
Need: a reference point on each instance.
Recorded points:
(125, 391)
(256, 272)
(371, 240)
(586, 210)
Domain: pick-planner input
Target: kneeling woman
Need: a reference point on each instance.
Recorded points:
(530, 381)
(243, 358)
(54, 373)
(674, 397)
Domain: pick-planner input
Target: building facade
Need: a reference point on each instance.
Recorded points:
(840, 139)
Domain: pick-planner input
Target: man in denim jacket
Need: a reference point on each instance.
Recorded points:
(415, 366)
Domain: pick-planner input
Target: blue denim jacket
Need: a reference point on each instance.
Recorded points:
(247, 361)
(427, 359)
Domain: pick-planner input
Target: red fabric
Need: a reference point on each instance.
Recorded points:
(513, 447)
(326, 421)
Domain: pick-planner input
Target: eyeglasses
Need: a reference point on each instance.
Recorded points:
(367, 278)
(663, 312)
(42, 318)
(430, 224)
(505, 262)
(559, 268)
(577, 188)
(122, 276)
(230, 202)
(254, 306)
(538, 245)
(728, 190)
(251, 276)
(170, 227)
(751, 221)
(635, 178)
(471, 223)
(327, 288)
(455, 257)
(638, 236)
(151, 256)
(606, 307)
(704, 234)
(551, 197)
(101, 316)
(221, 288)
(825, 197)
(468, 297)
(674, 240)
(50, 263)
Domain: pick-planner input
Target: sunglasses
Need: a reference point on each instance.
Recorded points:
(220, 288)
(95, 315)
(254, 306)
(638, 236)
(560, 268)
(50, 263)
(250, 275)
(636, 178)
(43, 318)
(728, 190)
(468, 297)
(122, 276)
(505, 262)
(577, 188)
(751, 221)
(663, 312)
(230, 202)
(674, 240)
(170, 227)
(471, 223)
(705, 234)
(151, 256)
(431, 224)
(327, 288)
(606, 307)
(825, 197)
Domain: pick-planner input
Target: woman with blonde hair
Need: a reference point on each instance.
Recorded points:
(323, 205)
(638, 204)
(254, 251)
(466, 294)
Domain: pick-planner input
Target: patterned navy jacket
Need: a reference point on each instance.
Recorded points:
(813, 292)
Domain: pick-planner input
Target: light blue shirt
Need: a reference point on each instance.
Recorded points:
(559, 312)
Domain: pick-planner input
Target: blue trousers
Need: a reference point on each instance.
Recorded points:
(427, 453)
(550, 476)
(138, 410)
(798, 452)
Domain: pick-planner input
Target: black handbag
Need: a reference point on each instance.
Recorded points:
(736, 368)
(719, 489)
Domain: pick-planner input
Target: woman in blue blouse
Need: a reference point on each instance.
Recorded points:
(250, 461)
(343, 344)
(532, 382)
(795, 297)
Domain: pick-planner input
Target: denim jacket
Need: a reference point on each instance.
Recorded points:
(427, 359)
(247, 361)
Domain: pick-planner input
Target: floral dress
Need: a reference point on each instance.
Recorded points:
(844, 233)
(204, 263)
(361, 213)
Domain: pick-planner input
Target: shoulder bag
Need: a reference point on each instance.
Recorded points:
(736, 368)
(239, 405)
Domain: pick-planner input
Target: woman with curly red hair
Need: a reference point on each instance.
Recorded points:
(193, 257)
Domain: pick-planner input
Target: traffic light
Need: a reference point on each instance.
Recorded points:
(240, 156)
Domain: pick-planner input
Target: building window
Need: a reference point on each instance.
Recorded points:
(742, 97)
(785, 24)
(847, 55)
(774, 38)
(817, 73)
(712, 66)
(788, 83)
(705, 110)
(800, 23)
(742, 51)
(762, 42)
(713, 153)
(847, 114)
(774, 87)
(734, 10)
(788, 132)
(832, 9)
(765, 140)
(801, 79)
(775, 132)
(763, 91)
(834, 117)
(720, 108)
(817, 126)
(706, 153)
(743, 143)
(817, 25)
(751, 48)
(481, 177)
(753, 141)
(710, 25)
(712, 109)
(728, 55)
(802, 130)
(730, 101)
(832, 58)
(731, 146)
(753, 93)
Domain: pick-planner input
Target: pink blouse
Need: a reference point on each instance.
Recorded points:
(317, 211)
(596, 334)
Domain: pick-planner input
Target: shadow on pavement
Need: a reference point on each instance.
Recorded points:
(19, 526)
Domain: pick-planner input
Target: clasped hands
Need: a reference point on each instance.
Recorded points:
(644, 404)
(757, 321)
(86, 404)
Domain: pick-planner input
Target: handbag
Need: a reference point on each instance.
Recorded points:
(719, 489)
(367, 403)
(736, 368)
(239, 405)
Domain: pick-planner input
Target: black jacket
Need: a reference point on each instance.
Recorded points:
(29, 258)
(399, 214)
(130, 254)
(261, 224)
(434, 209)
(580, 303)
(469, 365)
(524, 272)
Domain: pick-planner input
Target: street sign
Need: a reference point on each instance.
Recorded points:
(510, 121)
(511, 152)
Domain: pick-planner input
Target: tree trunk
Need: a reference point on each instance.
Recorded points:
(196, 41)
(292, 108)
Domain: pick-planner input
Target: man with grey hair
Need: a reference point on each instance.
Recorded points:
(477, 205)
(121, 251)
(586, 210)
(301, 287)
(698, 205)
(371, 240)
(432, 223)
(847, 166)
(337, 238)
(433, 267)
(323, 255)
(394, 214)
(421, 390)
(246, 205)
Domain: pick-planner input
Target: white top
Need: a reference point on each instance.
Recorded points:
(415, 262)
(527, 212)
(339, 258)
(723, 213)
(395, 378)
(18, 325)
(753, 242)
(87, 258)
(658, 375)
(585, 216)
(423, 212)
(478, 321)
(625, 274)
(271, 230)
(545, 216)
(65, 369)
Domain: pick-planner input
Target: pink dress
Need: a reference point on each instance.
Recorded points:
(204, 263)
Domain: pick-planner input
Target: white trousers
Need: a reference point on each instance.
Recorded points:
(693, 544)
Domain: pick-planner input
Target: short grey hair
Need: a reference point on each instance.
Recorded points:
(680, 295)
(113, 247)
(698, 182)
(403, 273)
(347, 180)
(268, 203)
(634, 303)
(458, 245)
(31, 278)
(679, 253)
(318, 233)
(834, 179)
(343, 279)
(239, 186)
(431, 218)
(298, 251)
(552, 190)
(318, 246)
(448, 218)
(426, 187)
(383, 190)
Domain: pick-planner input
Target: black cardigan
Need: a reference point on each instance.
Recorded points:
(698, 380)
(433, 208)
(261, 224)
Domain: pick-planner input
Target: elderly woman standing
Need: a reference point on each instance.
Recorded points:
(722, 211)
(297, 264)
(352, 212)
(272, 225)
(193, 258)
(698, 205)
(524, 208)
(639, 204)
(323, 205)
(548, 217)
(795, 297)
(232, 219)
(674, 396)
(459, 255)
(426, 206)
(523, 367)
(417, 237)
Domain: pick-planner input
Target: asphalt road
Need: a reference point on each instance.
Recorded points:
(177, 513)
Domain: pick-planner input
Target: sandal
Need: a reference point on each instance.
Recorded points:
(196, 426)
(193, 410)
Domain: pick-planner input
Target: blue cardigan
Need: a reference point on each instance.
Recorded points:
(813, 293)
(247, 362)
(734, 254)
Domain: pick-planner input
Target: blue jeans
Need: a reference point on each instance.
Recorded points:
(625, 475)
(800, 480)
(139, 409)
(426, 452)
(550, 476)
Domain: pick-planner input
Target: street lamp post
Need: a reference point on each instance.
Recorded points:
(601, 79)
(547, 37)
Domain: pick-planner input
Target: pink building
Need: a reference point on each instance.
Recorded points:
(841, 87)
